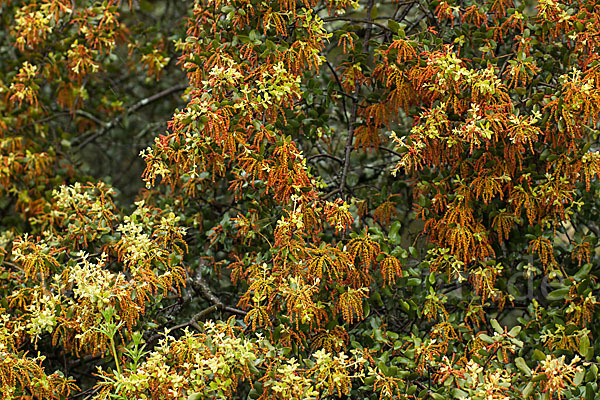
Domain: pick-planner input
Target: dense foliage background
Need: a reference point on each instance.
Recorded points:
(299, 199)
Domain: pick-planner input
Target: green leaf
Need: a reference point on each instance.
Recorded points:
(405, 306)
(558, 294)
(584, 345)
(538, 355)
(486, 338)
(522, 365)
(578, 378)
(374, 12)
(496, 326)
(589, 392)
(145, 6)
(377, 298)
(431, 278)
(539, 377)
(528, 390)
(515, 331)
(592, 373)
(393, 25)
(583, 272)
(413, 282)
(394, 234)
(459, 394)
(413, 251)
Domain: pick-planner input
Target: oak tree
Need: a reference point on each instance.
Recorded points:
(299, 199)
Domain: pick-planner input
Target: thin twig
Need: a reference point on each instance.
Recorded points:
(390, 151)
(337, 79)
(324, 155)
(90, 116)
(91, 391)
(363, 21)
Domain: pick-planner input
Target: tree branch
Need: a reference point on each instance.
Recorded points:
(354, 111)
(337, 79)
(201, 287)
(348, 147)
(107, 126)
